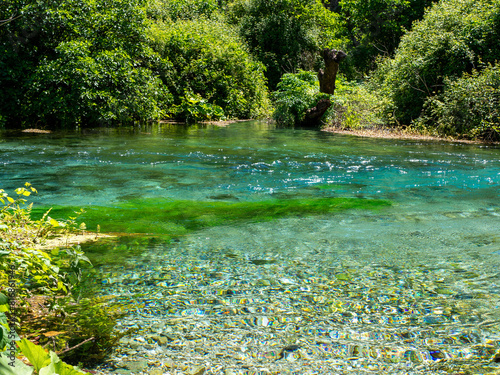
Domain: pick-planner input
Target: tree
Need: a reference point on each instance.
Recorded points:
(286, 35)
(454, 37)
(77, 62)
(375, 27)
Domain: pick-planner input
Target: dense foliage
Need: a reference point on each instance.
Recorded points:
(455, 37)
(286, 34)
(77, 62)
(468, 106)
(374, 28)
(89, 62)
(212, 75)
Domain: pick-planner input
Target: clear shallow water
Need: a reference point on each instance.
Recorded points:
(414, 288)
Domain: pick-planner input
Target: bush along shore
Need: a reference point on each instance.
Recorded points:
(423, 67)
(40, 299)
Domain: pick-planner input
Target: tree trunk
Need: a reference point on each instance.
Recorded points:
(313, 115)
(326, 85)
(327, 77)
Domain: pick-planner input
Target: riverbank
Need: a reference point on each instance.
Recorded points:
(72, 239)
(391, 133)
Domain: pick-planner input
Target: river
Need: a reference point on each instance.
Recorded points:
(412, 287)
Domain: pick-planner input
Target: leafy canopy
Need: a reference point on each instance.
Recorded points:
(212, 73)
(285, 35)
(454, 37)
(374, 28)
(77, 61)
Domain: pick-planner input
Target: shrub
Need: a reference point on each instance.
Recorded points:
(80, 61)
(295, 94)
(211, 66)
(454, 37)
(82, 87)
(19, 236)
(49, 279)
(356, 106)
(468, 107)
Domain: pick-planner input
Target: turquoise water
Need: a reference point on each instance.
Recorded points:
(413, 288)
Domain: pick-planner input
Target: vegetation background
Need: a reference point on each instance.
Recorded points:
(425, 65)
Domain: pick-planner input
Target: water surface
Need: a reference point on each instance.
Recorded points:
(412, 288)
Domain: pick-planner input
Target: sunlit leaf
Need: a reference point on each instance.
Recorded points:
(38, 357)
(53, 222)
(19, 367)
(3, 299)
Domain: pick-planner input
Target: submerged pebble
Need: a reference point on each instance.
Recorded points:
(308, 306)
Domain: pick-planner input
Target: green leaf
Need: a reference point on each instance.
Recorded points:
(19, 368)
(3, 299)
(38, 357)
(58, 367)
(342, 277)
(53, 222)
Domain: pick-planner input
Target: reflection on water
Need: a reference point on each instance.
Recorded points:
(411, 289)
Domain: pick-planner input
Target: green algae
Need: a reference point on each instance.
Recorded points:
(176, 218)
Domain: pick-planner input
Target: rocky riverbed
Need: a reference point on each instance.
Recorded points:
(262, 298)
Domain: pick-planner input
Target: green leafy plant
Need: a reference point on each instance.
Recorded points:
(453, 38)
(51, 279)
(46, 363)
(211, 70)
(20, 237)
(194, 108)
(43, 362)
(295, 94)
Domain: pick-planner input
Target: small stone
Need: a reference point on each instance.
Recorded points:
(121, 372)
(197, 371)
(135, 366)
(163, 340)
(134, 345)
(496, 357)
